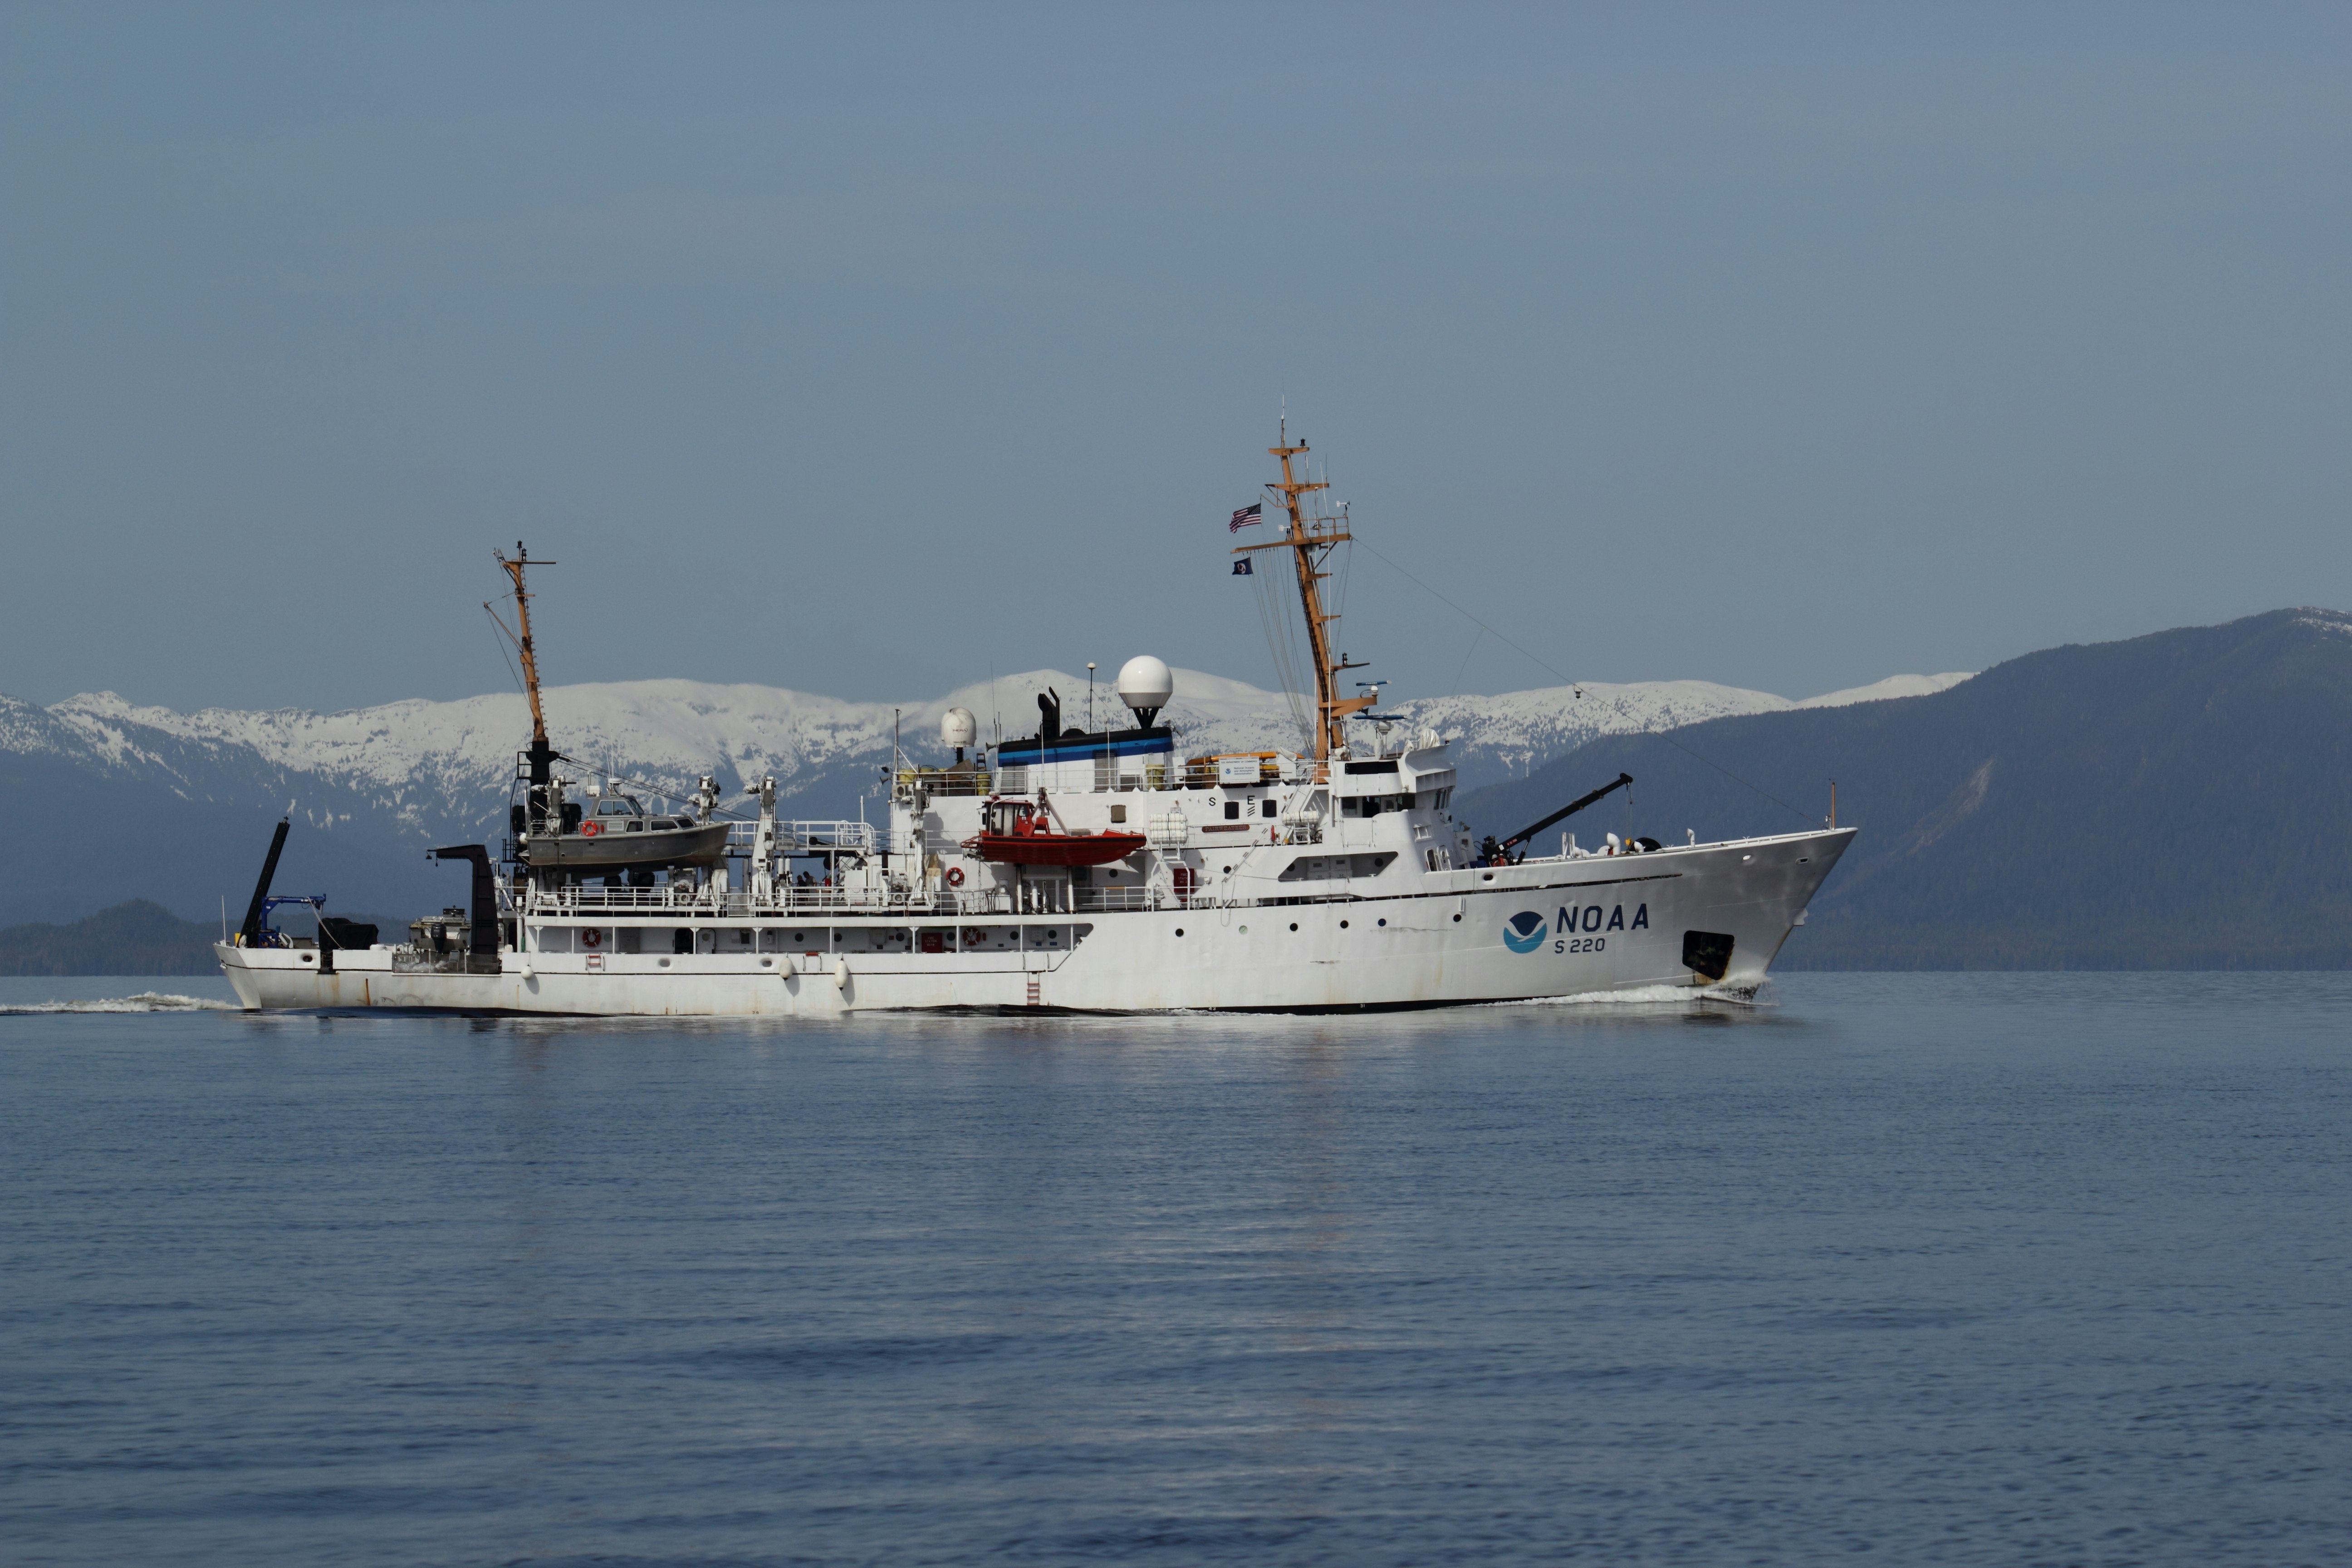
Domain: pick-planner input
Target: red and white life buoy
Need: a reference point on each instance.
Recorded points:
(955, 877)
(589, 829)
(590, 937)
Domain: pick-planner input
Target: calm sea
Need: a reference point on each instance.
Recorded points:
(1924, 1269)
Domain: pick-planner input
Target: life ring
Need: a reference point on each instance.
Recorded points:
(590, 937)
(589, 829)
(955, 877)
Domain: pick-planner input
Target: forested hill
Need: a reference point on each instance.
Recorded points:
(2182, 800)
(140, 936)
(135, 938)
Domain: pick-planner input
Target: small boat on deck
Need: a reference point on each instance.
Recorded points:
(1016, 833)
(621, 835)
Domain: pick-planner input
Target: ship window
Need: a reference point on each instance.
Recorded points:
(1270, 808)
(637, 826)
(1233, 810)
(615, 808)
(1119, 812)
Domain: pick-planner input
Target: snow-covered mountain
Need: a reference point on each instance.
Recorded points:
(378, 784)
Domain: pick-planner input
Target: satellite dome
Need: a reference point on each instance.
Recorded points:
(1144, 685)
(958, 727)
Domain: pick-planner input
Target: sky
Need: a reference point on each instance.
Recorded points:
(863, 349)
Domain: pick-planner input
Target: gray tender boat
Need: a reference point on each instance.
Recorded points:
(618, 833)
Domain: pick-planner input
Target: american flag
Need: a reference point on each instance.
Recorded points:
(1246, 516)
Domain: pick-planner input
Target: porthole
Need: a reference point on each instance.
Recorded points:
(1294, 925)
(1179, 930)
(1384, 923)
(1343, 925)
(665, 963)
(1458, 919)
(1245, 931)
(767, 963)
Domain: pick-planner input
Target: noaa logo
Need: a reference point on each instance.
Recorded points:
(1523, 931)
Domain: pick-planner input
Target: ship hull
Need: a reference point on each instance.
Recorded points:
(1552, 928)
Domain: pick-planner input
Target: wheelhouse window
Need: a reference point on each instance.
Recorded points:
(1373, 805)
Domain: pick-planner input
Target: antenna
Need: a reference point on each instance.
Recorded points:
(1091, 696)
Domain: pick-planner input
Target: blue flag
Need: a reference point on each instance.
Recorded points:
(1242, 568)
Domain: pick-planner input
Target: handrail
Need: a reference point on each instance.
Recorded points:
(572, 902)
(941, 782)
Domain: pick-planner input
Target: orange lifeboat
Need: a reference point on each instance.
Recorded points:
(1018, 834)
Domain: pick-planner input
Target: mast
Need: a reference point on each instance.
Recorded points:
(541, 754)
(1313, 546)
(514, 569)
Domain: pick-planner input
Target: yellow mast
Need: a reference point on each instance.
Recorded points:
(1313, 547)
(514, 569)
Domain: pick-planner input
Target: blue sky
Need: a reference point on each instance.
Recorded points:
(858, 350)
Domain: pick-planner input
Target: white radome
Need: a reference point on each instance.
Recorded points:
(958, 727)
(1146, 682)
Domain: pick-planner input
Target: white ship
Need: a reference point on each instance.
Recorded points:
(1095, 871)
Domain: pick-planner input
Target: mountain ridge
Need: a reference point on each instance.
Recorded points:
(2176, 800)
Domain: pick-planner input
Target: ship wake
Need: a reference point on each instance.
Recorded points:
(143, 1002)
(1661, 996)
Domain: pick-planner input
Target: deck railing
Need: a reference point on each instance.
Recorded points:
(687, 903)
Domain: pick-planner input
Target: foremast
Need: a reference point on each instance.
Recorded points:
(1312, 540)
(541, 755)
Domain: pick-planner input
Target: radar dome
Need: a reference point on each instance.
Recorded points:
(1144, 685)
(957, 728)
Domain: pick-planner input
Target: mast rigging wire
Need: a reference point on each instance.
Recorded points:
(502, 626)
(1277, 595)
